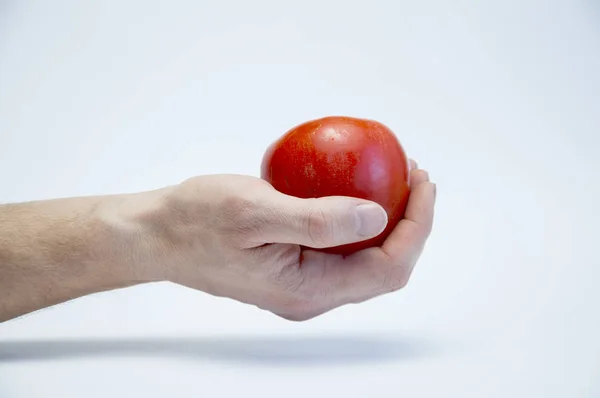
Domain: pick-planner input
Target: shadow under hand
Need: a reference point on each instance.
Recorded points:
(295, 350)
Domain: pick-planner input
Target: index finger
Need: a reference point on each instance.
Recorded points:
(412, 231)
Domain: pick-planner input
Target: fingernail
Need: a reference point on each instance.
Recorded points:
(413, 164)
(372, 219)
(434, 192)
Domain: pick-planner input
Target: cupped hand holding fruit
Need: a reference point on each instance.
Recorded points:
(240, 237)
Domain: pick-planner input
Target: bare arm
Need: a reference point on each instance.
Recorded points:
(226, 235)
(53, 251)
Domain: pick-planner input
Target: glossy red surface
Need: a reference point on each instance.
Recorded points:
(345, 156)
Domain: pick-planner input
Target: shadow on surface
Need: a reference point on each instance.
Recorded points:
(266, 350)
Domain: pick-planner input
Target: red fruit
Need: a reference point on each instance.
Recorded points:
(342, 156)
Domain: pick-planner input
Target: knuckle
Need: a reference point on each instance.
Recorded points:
(299, 308)
(237, 214)
(426, 230)
(298, 317)
(236, 206)
(289, 279)
(301, 314)
(320, 226)
(395, 279)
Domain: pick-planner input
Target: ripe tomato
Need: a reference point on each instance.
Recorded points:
(342, 156)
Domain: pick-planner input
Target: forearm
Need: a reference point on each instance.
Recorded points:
(57, 250)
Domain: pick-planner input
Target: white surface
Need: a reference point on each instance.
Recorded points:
(500, 101)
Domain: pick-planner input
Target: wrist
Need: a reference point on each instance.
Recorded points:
(57, 250)
(135, 224)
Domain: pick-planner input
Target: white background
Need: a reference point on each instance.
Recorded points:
(499, 100)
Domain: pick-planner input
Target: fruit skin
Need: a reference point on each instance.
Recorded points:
(342, 156)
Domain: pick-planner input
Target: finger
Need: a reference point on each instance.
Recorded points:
(413, 164)
(318, 222)
(374, 271)
(333, 280)
(417, 176)
(409, 236)
(324, 222)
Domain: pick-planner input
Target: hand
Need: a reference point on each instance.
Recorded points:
(237, 237)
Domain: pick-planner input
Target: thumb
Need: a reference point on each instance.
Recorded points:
(319, 222)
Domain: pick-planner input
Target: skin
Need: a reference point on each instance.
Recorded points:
(226, 235)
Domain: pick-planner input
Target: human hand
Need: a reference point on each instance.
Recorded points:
(236, 236)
